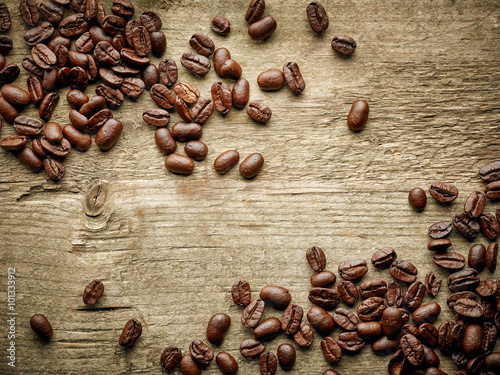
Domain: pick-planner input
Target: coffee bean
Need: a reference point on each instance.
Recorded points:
(358, 115)
(84, 43)
(35, 89)
(452, 298)
(262, 29)
(30, 160)
(350, 342)
(2, 62)
(58, 40)
(132, 87)
(373, 288)
(41, 326)
(5, 21)
(43, 56)
(353, 269)
(93, 106)
(267, 329)
(348, 292)
(156, 117)
(30, 126)
(202, 111)
(123, 8)
(489, 225)
(8, 112)
(490, 334)
(490, 172)
(201, 352)
(202, 44)
(6, 44)
(93, 292)
(240, 291)
(439, 244)
(255, 10)
(252, 165)
(293, 77)
(472, 340)
(170, 357)
(77, 59)
(54, 168)
(62, 54)
(259, 112)
(48, 105)
(114, 25)
(41, 33)
(286, 356)
(129, 31)
(469, 308)
(316, 258)
(182, 109)
(130, 57)
(317, 16)
(225, 161)
(475, 365)
(492, 190)
(187, 92)
(384, 257)
(59, 150)
(162, 96)
(9, 74)
(346, 319)
(165, 142)
(432, 284)
(106, 54)
(196, 64)
(394, 294)
(417, 199)
(371, 309)
(150, 76)
(231, 69)
(109, 134)
(222, 98)
(38, 149)
(97, 35)
(404, 271)
(487, 288)
(220, 25)
(323, 279)
(304, 337)
(179, 164)
(467, 226)
(465, 279)
(449, 261)
(168, 72)
(474, 204)
(227, 364)
(221, 55)
(158, 43)
(51, 77)
(253, 312)
(110, 78)
(271, 80)
(477, 257)
(188, 365)
(428, 334)
(276, 296)
(412, 349)
(324, 297)
(443, 192)
(440, 229)
(141, 41)
(73, 25)
(78, 140)
(53, 132)
(151, 21)
(345, 45)
(369, 330)
(183, 131)
(251, 348)
(384, 346)
(217, 328)
(331, 350)
(414, 295)
(491, 256)
(241, 93)
(405, 314)
(78, 79)
(114, 98)
(290, 322)
(28, 10)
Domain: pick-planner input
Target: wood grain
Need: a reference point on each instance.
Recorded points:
(168, 247)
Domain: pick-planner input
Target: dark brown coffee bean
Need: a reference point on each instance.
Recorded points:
(348, 292)
(9, 73)
(73, 25)
(490, 172)
(53, 132)
(489, 307)
(472, 340)
(201, 352)
(276, 296)
(384, 346)
(271, 80)
(59, 150)
(184, 132)
(151, 21)
(28, 10)
(41, 33)
(62, 54)
(114, 98)
(384, 257)
(262, 29)
(323, 279)
(240, 291)
(443, 192)
(35, 89)
(92, 69)
(304, 337)
(252, 165)
(182, 109)
(222, 98)
(492, 190)
(141, 41)
(113, 25)
(316, 258)
(168, 72)
(324, 297)
(350, 341)
(54, 168)
(467, 226)
(106, 54)
(439, 244)
(157, 117)
(352, 269)
(345, 45)
(331, 350)
(371, 309)
(454, 297)
(449, 261)
(30, 160)
(251, 348)
(123, 8)
(369, 330)
(489, 225)
(217, 328)
(345, 319)
(432, 284)
(414, 295)
(93, 292)
(170, 357)
(417, 199)
(474, 204)
(241, 93)
(202, 44)
(58, 40)
(491, 256)
(253, 312)
(267, 329)
(165, 142)
(286, 356)
(5, 20)
(475, 365)
(78, 79)
(268, 363)
(202, 111)
(490, 334)
(93, 106)
(97, 35)
(48, 105)
(158, 43)
(469, 308)
(293, 77)
(43, 56)
(487, 288)
(187, 92)
(129, 31)
(109, 134)
(132, 87)
(231, 69)
(440, 229)
(403, 270)
(51, 77)
(290, 322)
(189, 366)
(225, 161)
(79, 6)
(220, 25)
(84, 43)
(118, 42)
(77, 59)
(405, 314)
(221, 55)
(150, 76)
(317, 16)
(162, 96)
(98, 120)
(8, 112)
(227, 364)
(259, 112)
(412, 349)
(428, 334)
(477, 257)
(30, 126)
(358, 115)
(78, 140)
(2, 62)
(6, 44)
(109, 78)
(196, 64)
(255, 10)
(394, 294)
(373, 288)
(41, 326)
(465, 279)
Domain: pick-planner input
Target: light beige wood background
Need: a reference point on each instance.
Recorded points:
(168, 247)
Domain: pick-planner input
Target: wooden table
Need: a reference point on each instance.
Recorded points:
(169, 247)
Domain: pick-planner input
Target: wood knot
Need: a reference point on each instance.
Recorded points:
(95, 198)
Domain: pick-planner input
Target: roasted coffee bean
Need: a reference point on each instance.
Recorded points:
(440, 229)
(405, 314)
(469, 308)
(490, 172)
(290, 322)
(487, 288)
(162, 96)
(403, 270)
(129, 31)
(324, 297)
(271, 80)
(92, 106)
(97, 35)
(113, 25)
(51, 77)
(251, 348)
(30, 160)
(426, 313)
(268, 363)
(119, 42)
(331, 350)
(9, 74)
(168, 72)
(38, 149)
(317, 16)
(184, 132)
(439, 244)
(54, 168)
(227, 364)
(371, 309)
(241, 93)
(201, 352)
(384, 257)
(106, 54)
(202, 111)
(358, 115)
(491, 256)
(475, 365)
(141, 41)
(196, 64)
(345, 45)
(472, 340)
(276, 296)
(41, 325)
(165, 142)
(293, 77)
(79, 6)
(2, 62)
(41, 33)
(350, 341)
(352, 269)
(262, 29)
(369, 330)
(8, 111)
(434, 371)
(59, 150)
(412, 349)
(477, 257)
(220, 25)
(465, 279)
(170, 357)
(150, 76)
(158, 43)
(454, 297)
(373, 288)
(252, 165)
(157, 117)
(78, 79)
(346, 319)
(28, 10)
(417, 199)
(384, 346)
(84, 43)
(189, 366)
(48, 105)
(109, 78)
(123, 8)
(489, 225)
(253, 312)
(394, 294)
(231, 69)
(202, 44)
(221, 55)
(151, 21)
(93, 292)
(492, 190)
(225, 161)
(62, 54)
(109, 134)
(259, 112)
(443, 192)
(73, 25)
(490, 334)
(489, 307)
(449, 261)
(53, 132)
(5, 21)
(222, 98)
(92, 69)
(5, 44)
(267, 329)
(286, 356)
(182, 109)
(304, 337)
(114, 98)
(428, 334)
(77, 59)
(43, 56)
(348, 292)
(474, 204)
(58, 40)
(78, 140)
(187, 92)
(323, 279)
(432, 284)
(217, 328)
(316, 258)
(30, 126)
(467, 226)
(132, 87)
(255, 10)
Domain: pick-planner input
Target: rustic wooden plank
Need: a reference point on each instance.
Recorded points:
(169, 247)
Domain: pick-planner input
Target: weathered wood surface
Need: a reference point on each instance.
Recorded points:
(169, 247)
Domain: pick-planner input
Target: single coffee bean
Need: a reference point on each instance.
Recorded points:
(9, 112)
(350, 342)
(201, 352)
(286, 356)
(489, 225)
(323, 279)
(151, 21)
(43, 56)
(394, 294)
(2, 62)
(491, 256)
(158, 43)
(490, 172)
(241, 93)
(150, 76)
(109, 134)
(345, 45)
(168, 72)
(60, 149)
(97, 35)
(467, 226)
(371, 309)
(405, 314)
(162, 96)
(290, 322)
(222, 98)
(465, 279)
(251, 348)
(252, 165)
(41, 33)
(62, 54)
(346, 319)
(252, 313)
(183, 131)
(240, 291)
(131, 333)
(373, 288)
(417, 199)
(227, 364)
(129, 30)
(38, 149)
(403, 270)
(469, 308)
(412, 349)
(114, 25)
(9, 73)
(6, 44)
(271, 80)
(187, 92)
(109, 78)
(432, 284)
(58, 40)
(196, 64)
(358, 115)
(353, 269)
(141, 41)
(130, 57)
(440, 229)
(255, 10)
(293, 77)
(221, 55)
(225, 161)
(132, 87)
(276, 296)
(202, 111)
(331, 350)
(28, 10)
(106, 54)
(487, 288)
(316, 258)
(78, 140)
(5, 21)
(30, 160)
(123, 8)
(156, 117)
(477, 257)
(78, 79)
(443, 192)
(35, 89)
(202, 44)
(384, 257)
(15, 95)
(217, 328)
(93, 292)
(454, 297)
(179, 164)
(231, 69)
(304, 337)
(259, 112)
(182, 109)
(369, 331)
(324, 297)
(77, 59)
(73, 25)
(490, 334)
(114, 98)
(41, 326)
(30, 126)
(474, 204)
(384, 346)
(492, 190)
(267, 329)
(48, 105)
(439, 244)
(449, 261)
(428, 334)
(348, 291)
(262, 29)
(98, 120)
(220, 25)
(84, 43)
(170, 357)
(189, 366)
(196, 150)
(53, 132)
(53, 76)
(165, 142)
(414, 295)
(473, 337)
(317, 17)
